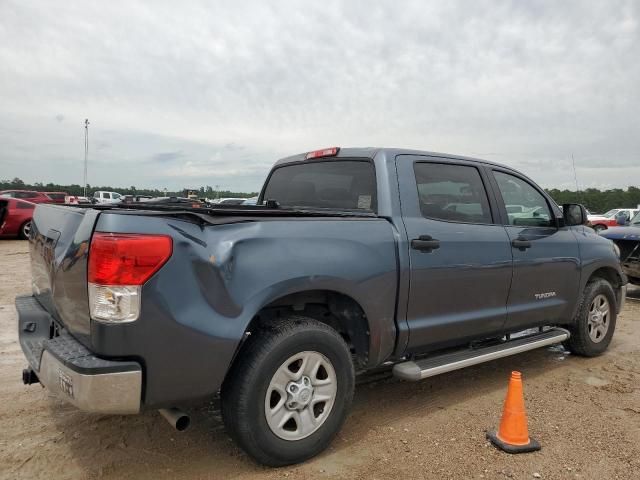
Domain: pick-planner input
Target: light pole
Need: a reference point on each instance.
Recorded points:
(86, 153)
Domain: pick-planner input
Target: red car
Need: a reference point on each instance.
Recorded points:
(57, 197)
(15, 217)
(28, 195)
(610, 219)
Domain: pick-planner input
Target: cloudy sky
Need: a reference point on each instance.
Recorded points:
(212, 93)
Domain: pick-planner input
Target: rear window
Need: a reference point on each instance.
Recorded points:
(338, 184)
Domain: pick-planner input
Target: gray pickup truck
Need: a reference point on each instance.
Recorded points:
(353, 259)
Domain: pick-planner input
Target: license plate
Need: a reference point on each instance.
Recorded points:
(66, 383)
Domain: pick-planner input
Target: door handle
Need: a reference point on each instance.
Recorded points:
(521, 244)
(425, 243)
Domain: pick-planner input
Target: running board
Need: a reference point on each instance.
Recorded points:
(431, 366)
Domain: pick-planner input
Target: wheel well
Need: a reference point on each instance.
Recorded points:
(609, 274)
(339, 311)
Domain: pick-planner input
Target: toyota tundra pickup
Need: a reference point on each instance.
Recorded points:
(352, 259)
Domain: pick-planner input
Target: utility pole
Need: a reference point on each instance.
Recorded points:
(217, 191)
(86, 153)
(575, 176)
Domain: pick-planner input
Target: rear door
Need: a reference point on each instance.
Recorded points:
(546, 261)
(459, 252)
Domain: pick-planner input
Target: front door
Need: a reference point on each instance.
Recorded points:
(546, 261)
(460, 255)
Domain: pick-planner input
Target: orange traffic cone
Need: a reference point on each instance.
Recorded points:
(513, 435)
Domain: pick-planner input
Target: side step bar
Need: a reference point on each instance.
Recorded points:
(431, 366)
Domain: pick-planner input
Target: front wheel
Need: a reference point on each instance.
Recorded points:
(599, 228)
(289, 391)
(595, 321)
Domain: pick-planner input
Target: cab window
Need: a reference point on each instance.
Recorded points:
(533, 209)
(452, 192)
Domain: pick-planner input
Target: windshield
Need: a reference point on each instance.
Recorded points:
(336, 184)
(56, 196)
(611, 213)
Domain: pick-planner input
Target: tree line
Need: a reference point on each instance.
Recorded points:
(75, 189)
(595, 200)
(599, 201)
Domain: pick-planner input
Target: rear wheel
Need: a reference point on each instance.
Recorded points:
(595, 321)
(599, 228)
(25, 229)
(289, 391)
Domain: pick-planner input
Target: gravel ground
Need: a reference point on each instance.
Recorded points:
(585, 412)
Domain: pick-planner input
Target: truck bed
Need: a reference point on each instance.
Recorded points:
(227, 263)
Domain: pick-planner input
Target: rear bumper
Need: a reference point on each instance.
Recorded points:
(67, 368)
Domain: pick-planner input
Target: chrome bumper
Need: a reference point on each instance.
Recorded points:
(69, 369)
(116, 392)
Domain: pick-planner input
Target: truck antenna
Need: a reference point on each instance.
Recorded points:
(575, 176)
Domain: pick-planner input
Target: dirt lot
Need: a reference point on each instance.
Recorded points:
(585, 412)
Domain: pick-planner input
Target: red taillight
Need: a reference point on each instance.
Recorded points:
(326, 152)
(126, 259)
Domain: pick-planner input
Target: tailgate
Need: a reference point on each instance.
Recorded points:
(59, 246)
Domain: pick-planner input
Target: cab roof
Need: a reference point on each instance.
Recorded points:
(371, 152)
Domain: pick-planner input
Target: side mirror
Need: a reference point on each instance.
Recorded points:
(574, 214)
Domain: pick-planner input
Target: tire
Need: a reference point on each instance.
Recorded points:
(599, 228)
(25, 228)
(590, 335)
(249, 393)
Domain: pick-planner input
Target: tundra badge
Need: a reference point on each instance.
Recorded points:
(541, 296)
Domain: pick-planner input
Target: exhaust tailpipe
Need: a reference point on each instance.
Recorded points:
(176, 417)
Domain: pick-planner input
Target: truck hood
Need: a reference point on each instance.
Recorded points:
(622, 233)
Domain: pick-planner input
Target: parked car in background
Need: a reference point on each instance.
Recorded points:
(76, 200)
(106, 197)
(57, 197)
(627, 239)
(609, 219)
(250, 201)
(28, 195)
(135, 198)
(229, 201)
(15, 217)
